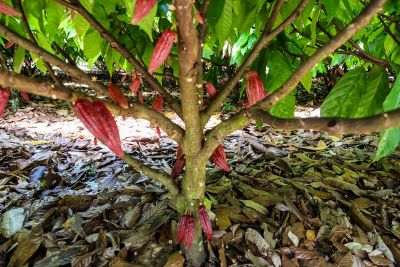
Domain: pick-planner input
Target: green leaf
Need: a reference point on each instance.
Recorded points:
(285, 108)
(344, 98)
(306, 81)
(224, 24)
(19, 58)
(215, 11)
(371, 101)
(81, 25)
(55, 14)
(92, 46)
(390, 138)
(255, 205)
(278, 70)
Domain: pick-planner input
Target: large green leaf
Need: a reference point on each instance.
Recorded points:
(92, 46)
(390, 139)
(285, 107)
(376, 90)
(344, 98)
(224, 24)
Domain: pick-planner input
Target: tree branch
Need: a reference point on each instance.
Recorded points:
(33, 39)
(29, 85)
(266, 37)
(189, 57)
(64, 54)
(389, 31)
(104, 33)
(216, 135)
(334, 126)
(52, 59)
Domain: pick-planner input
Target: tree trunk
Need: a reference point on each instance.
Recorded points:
(196, 254)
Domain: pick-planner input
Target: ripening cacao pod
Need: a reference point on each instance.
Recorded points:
(181, 228)
(162, 49)
(142, 8)
(100, 122)
(219, 158)
(205, 222)
(7, 10)
(179, 164)
(158, 104)
(117, 96)
(25, 96)
(254, 89)
(135, 85)
(9, 44)
(211, 89)
(4, 96)
(140, 98)
(199, 17)
(190, 230)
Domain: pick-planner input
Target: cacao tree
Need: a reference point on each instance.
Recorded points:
(274, 47)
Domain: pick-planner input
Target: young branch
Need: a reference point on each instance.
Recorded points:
(216, 135)
(52, 59)
(67, 57)
(334, 126)
(115, 44)
(29, 85)
(33, 39)
(266, 37)
(389, 31)
(189, 58)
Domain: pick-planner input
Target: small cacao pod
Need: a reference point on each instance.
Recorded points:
(117, 96)
(158, 104)
(199, 17)
(7, 10)
(219, 158)
(25, 96)
(135, 85)
(179, 164)
(205, 222)
(190, 230)
(211, 89)
(254, 89)
(140, 98)
(162, 49)
(9, 44)
(142, 8)
(4, 96)
(181, 228)
(100, 122)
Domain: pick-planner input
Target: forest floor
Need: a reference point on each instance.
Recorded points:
(293, 198)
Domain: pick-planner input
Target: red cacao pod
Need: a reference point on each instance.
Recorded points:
(7, 10)
(100, 122)
(162, 49)
(219, 158)
(135, 85)
(25, 96)
(211, 89)
(4, 96)
(179, 164)
(140, 98)
(254, 89)
(199, 17)
(181, 228)
(142, 8)
(8, 44)
(205, 222)
(190, 230)
(117, 96)
(158, 104)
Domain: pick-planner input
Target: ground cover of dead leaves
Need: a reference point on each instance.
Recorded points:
(293, 198)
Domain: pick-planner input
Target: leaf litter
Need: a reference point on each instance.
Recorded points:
(293, 198)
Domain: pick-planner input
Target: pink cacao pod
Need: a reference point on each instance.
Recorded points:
(205, 222)
(162, 49)
(254, 89)
(117, 96)
(100, 122)
(179, 164)
(25, 96)
(211, 89)
(7, 10)
(219, 158)
(142, 8)
(4, 96)
(135, 85)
